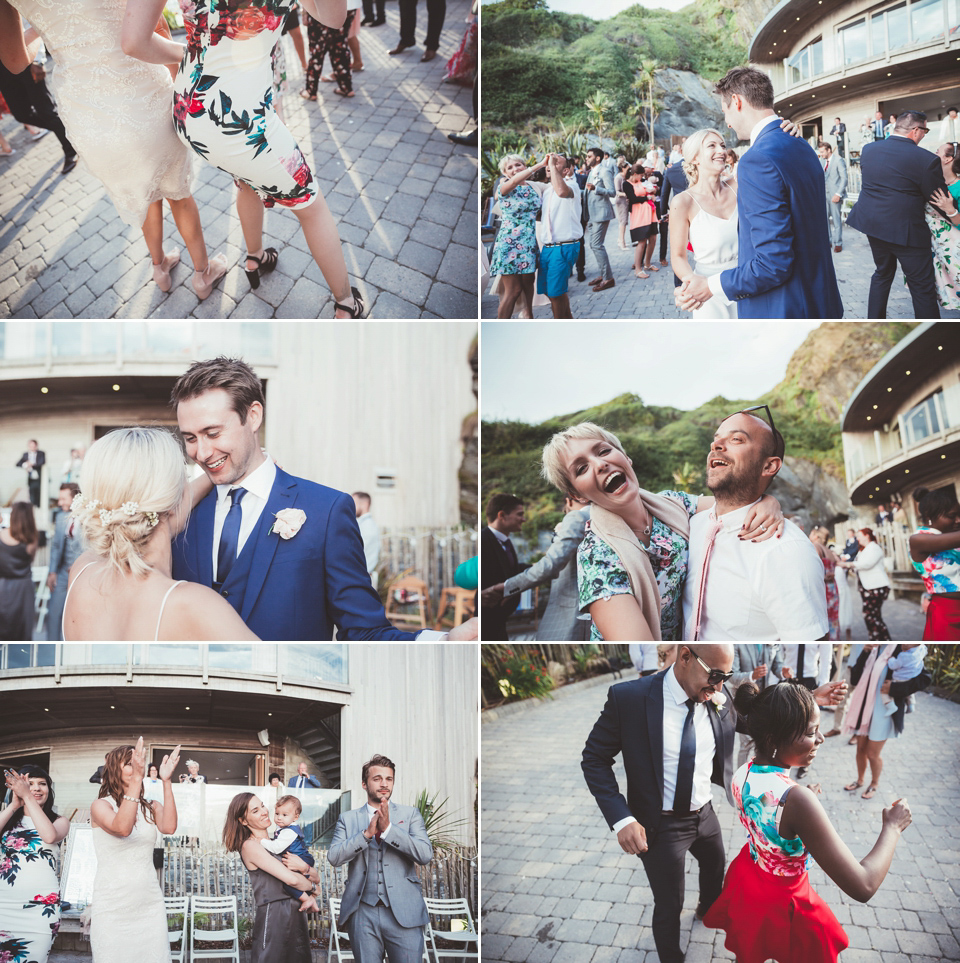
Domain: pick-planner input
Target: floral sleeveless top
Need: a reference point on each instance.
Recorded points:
(940, 572)
(760, 793)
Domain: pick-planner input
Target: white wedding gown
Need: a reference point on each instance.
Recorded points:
(715, 246)
(117, 111)
(128, 918)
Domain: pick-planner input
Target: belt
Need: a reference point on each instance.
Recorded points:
(560, 243)
(693, 812)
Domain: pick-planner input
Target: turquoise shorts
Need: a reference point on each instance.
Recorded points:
(556, 264)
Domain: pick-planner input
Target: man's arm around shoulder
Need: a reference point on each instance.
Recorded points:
(561, 550)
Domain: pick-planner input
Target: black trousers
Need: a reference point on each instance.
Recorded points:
(436, 11)
(701, 836)
(33, 484)
(917, 264)
(30, 103)
(368, 9)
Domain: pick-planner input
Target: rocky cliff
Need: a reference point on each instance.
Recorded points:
(688, 104)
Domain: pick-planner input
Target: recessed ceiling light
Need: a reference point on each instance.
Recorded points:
(116, 387)
(44, 390)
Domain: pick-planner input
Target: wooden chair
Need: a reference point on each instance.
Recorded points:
(463, 606)
(405, 592)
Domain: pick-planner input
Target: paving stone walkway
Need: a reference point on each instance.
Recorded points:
(404, 196)
(653, 298)
(558, 889)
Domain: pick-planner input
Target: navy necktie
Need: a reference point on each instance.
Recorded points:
(230, 535)
(688, 756)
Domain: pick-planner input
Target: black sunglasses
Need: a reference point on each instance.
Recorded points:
(777, 437)
(714, 676)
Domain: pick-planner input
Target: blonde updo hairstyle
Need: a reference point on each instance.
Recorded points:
(555, 450)
(506, 160)
(130, 478)
(691, 148)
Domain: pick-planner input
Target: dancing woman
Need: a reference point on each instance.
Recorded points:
(280, 929)
(117, 114)
(128, 908)
(935, 554)
(223, 110)
(632, 562)
(767, 905)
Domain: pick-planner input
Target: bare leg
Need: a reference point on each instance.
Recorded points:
(320, 231)
(623, 235)
(5, 147)
(250, 212)
(638, 259)
(187, 218)
(152, 228)
(561, 306)
(873, 751)
(297, 37)
(526, 293)
(508, 297)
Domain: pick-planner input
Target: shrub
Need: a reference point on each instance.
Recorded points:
(521, 677)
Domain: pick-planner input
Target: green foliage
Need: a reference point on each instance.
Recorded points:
(517, 673)
(438, 823)
(943, 661)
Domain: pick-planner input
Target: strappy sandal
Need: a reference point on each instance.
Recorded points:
(642, 274)
(853, 787)
(306, 95)
(870, 793)
(650, 267)
(356, 310)
(265, 264)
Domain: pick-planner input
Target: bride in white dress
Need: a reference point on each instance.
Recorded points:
(706, 215)
(128, 917)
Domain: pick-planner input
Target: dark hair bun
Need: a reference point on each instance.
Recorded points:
(745, 697)
(919, 493)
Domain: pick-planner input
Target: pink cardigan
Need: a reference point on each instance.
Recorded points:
(866, 690)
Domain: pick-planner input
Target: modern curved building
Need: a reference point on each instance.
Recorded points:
(850, 58)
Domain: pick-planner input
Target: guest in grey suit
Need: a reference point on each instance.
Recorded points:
(383, 909)
(597, 193)
(835, 180)
(752, 662)
(67, 547)
(559, 622)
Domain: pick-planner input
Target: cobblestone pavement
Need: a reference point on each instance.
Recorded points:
(653, 298)
(558, 889)
(403, 195)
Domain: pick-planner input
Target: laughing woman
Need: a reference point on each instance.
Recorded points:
(632, 562)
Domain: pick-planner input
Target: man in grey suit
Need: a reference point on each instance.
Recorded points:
(752, 661)
(383, 910)
(597, 193)
(559, 622)
(67, 547)
(835, 183)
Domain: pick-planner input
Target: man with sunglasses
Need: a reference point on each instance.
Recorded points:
(897, 181)
(743, 590)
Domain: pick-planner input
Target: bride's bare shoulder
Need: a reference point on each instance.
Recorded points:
(197, 612)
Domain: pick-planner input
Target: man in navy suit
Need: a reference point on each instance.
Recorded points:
(898, 177)
(286, 553)
(675, 181)
(784, 266)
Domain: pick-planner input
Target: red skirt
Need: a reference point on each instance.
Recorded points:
(769, 917)
(943, 620)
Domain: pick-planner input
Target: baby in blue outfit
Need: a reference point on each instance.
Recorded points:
(289, 837)
(907, 665)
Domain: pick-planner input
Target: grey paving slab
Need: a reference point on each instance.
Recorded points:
(531, 778)
(382, 160)
(653, 298)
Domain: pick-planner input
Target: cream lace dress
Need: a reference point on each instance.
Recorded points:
(116, 110)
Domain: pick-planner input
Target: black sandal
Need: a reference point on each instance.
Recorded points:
(265, 264)
(357, 310)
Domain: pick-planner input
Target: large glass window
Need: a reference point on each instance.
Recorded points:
(799, 67)
(315, 663)
(157, 337)
(853, 42)
(243, 658)
(926, 419)
(169, 653)
(898, 33)
(926, 20)
(816, 57)
(878, 34)
(953, 16)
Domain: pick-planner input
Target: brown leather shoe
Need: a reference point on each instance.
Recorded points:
(400, 47)
(604, 285)
(596, 280)
(837, 248)
(428, 55)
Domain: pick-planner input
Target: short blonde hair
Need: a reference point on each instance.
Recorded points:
(553, 469)
(130, 477)
(510, 157)
(691, 147)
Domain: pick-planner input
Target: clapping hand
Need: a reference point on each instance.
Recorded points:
(831, 694)
(169, 765)
(139, 761)
(371, 830)
(19, 785)
(383, 816)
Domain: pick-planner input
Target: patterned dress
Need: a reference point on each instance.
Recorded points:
(941, 578)
(515, 250)
(29, 895)
(223, 99)
(601, 576)
(767, 906)
(946, 253)
(833, 595)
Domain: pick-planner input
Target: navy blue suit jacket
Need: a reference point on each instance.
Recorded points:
(631, 724)
(293, 589)
(784, 266)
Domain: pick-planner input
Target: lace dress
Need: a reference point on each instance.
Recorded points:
(116, 110)
(768, 907)
(716, 243)
(128, 917)
(223, 105)
(29, 894)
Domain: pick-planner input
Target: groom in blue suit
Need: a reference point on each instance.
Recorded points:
(286, 553)
(784, 266)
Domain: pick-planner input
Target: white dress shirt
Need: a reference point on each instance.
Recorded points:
(756, 591)
(674, 715)
(560, 220)
(817, 661)
(258, 484)
(644, 656)
(370, 533)
(371, 812)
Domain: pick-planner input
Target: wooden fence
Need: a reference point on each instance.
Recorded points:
(432, 554)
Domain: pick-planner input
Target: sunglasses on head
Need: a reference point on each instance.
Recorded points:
(714, 676)
(777, 437)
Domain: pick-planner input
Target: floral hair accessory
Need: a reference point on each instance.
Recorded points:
(106, 517)
(288, 522)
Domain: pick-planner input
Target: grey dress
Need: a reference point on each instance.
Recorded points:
(16, 594)
(280, 929)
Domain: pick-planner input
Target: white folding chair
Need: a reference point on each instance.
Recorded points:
(220, 909)
(177, 906)
(341, 953)
(460, 935)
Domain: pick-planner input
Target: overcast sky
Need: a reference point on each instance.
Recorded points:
(534, 370)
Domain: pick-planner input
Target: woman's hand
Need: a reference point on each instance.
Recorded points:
(294, 862)
(138, 761)
(898, 816)
(763, 521)
(19, 785)
(169, 765)
(830, 694)
(944, 201)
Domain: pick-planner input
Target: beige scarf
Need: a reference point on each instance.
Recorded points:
(613, 530)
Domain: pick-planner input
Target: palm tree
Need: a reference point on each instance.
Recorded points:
(645, 107)
(598, 105)
(686, 477)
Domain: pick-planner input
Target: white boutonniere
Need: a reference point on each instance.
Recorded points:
(288, 522)
(719, 700)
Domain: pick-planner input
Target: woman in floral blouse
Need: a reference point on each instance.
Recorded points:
(588, 463)
(29, 888)
(935, 554)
